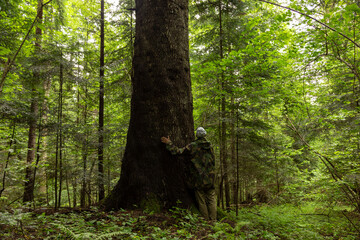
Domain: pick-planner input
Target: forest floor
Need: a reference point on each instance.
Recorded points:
(256, 222)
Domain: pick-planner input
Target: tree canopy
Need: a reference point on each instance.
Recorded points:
(276, 84)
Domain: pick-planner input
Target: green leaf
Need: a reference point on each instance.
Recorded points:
(353, 8)
(4, 51)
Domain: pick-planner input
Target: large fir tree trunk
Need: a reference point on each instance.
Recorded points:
(161, 106)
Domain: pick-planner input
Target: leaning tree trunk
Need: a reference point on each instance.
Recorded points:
(161, 106)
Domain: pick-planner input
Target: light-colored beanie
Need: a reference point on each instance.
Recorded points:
(200, 132)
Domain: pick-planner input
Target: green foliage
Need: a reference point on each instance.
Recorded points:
(13, 219)
(306, 221)
(99, 225)
(311, 220)
(70, 41)
(291, 92)
(71, 235)
(185, 218)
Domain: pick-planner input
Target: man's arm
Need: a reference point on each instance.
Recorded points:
(174, 150)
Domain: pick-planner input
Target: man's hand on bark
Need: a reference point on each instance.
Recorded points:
(166, 140)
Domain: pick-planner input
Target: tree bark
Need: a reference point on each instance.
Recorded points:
(60, 131)
(59, 146)
(233, 151)
(101, 107)
(85, 144)
(56, 168)
(223, 138)
(29, 185)
(29, 171)
(161, 105)
(236, 200)
(42, 171)
(12, 137)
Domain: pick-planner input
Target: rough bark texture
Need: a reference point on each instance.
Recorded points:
(161, 106)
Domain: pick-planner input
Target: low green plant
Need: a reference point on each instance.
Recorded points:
(13, 219)
(185, 218)
(69, 234)
(308, 221)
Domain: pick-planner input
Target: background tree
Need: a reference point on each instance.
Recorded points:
(290, 88)
(101, 103)
(34, 111)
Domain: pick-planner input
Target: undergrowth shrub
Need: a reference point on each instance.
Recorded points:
(309, 221)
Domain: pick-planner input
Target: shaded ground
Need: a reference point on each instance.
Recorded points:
(66, 223)
(259, 222)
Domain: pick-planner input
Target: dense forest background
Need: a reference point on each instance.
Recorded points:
(277, 91)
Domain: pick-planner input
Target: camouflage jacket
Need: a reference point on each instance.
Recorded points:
(202, 171)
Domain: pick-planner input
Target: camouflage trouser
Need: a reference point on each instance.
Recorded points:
(207, 203)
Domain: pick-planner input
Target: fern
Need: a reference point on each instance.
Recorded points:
(73, 236)
(87, 235)
(70, 234)
(110, 235)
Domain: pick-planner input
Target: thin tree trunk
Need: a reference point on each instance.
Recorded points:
(237, 166)
(43, 177)
(56, 169)
(34, 108)
(101, 108)
(221, 189)
(29, 171)
(78, 114)
(90, 190)
(83, 180)
(224, 160)
(58, 154)
(277, 172)
(233, 151)
(67, 187)
(223, 139)
(60, 131)
(74, 185)
(242, 184)
(220, 200)
(42, 172)
(74, 181)
(67, 183)
(37, 152)
(84, 157)
(47, 191)
(108, 178)
(8, 157)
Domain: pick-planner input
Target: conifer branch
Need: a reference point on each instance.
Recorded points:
(11, 62)
(331, 168)
(306, 15)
